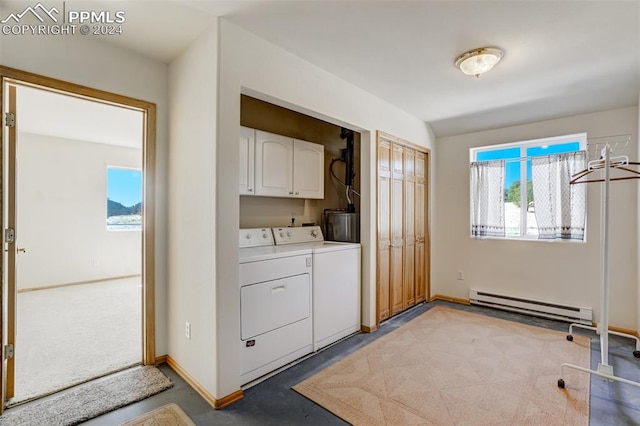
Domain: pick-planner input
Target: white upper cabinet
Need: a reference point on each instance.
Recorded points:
(247, 158)
(308, 169)
(284, 167)
(274, 165)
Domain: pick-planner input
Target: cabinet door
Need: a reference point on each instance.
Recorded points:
(308, 169)
(403, 242)
(397, 229)
(420, 223)
(247, 166)
(384, 229)
(274, 165)
(409, 226)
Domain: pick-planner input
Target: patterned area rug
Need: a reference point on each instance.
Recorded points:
(167, 415)
(450, 367)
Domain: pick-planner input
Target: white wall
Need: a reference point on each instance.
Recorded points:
(260, 69)
(550, 271)
(638, 219)
(93, 63)
(192, 215)
(62, 207)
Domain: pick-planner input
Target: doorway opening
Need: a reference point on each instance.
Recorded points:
(78, 231)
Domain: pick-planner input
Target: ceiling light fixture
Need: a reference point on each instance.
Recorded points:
(478, 61)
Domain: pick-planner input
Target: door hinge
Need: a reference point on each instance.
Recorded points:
(10, 119)
(8, 351)
(9, 235)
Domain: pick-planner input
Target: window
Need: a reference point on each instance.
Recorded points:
(124, 199)
(519, 205)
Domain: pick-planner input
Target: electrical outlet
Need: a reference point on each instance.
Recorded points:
(460, 275)
(187, 330)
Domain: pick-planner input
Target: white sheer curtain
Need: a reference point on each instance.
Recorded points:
(560, 207)
(487, 199)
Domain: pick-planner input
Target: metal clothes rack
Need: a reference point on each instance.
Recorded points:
(605, 163)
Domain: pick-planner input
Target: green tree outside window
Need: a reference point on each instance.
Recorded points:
(513, 193)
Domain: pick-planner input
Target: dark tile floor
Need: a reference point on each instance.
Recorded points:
(272, 402)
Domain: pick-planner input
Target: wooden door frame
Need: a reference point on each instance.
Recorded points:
(148, 218)
(380, 135)
(8, 382)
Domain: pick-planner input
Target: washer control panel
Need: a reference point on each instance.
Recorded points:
(256, 237)
(303, 234)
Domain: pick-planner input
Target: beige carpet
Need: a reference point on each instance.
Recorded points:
(167, 415)
(68, 335)
(450, 367)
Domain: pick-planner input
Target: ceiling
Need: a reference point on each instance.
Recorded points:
(561, 57)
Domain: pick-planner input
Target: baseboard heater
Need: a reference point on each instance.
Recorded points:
(532, 307)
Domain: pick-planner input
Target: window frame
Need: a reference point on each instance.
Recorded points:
(581, 138)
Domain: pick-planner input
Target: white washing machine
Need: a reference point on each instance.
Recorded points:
(336, 282)
(276, 322)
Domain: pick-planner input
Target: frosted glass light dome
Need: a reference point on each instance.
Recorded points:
(478, 61)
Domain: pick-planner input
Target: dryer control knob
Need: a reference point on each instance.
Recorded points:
(282, 235)
(288, 234)
(314, 234)
(264, 236)
(248, 237)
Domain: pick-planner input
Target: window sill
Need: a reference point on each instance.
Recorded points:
(529, 238)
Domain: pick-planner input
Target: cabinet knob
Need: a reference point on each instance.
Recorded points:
(290, 192)
(250, 189)
(297, 193)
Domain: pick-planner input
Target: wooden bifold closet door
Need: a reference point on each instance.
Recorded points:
(402, 212)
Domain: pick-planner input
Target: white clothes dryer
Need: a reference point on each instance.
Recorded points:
(275, 303)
